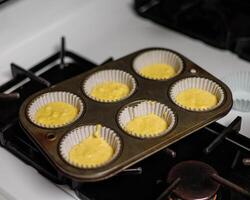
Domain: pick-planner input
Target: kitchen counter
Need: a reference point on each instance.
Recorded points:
(30, 31)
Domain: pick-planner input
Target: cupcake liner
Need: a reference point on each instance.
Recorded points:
(79, 134)
(49, 97)
(199, 83)
(158, 56)
(109, 75)
(239, 83)
(145, 107)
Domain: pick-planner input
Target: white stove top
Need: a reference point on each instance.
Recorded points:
(30, 31)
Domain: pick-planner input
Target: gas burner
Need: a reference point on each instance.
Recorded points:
(195, 180)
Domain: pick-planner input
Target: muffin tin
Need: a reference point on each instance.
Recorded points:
(132, 149)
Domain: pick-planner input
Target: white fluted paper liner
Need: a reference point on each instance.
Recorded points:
(109, 75)
(79, 134)
(137, 109)
(49, 97)
(199, 83)
(158, 57)
(239, 83)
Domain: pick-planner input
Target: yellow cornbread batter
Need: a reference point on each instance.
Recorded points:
(110, 91)
(196, 99)
(91, 151)
(158, 71)
(147, 125)
(56, 113)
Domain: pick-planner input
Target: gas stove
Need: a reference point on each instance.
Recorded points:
(222, 150)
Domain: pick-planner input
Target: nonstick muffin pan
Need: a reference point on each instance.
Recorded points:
(129, 148)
